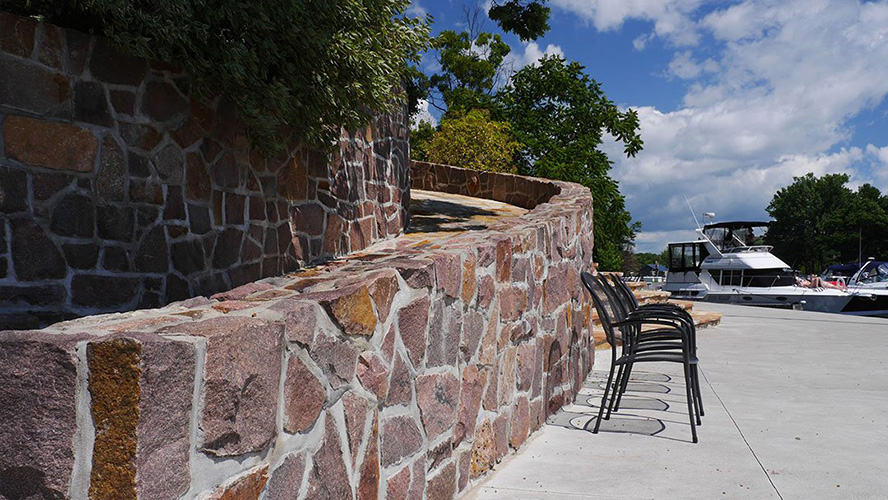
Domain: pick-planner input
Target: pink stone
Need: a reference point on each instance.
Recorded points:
(232, 305)
(38, 411)
(242, 291)
(401, 386)
(412, 321)
(555, 291)
(473, 382)
(443, 485)
(400, 438)
(465, 469)
(527, 367)
(304, 396)
(388, 345)
(368, 483)
(336, 357)
(445, 328)
(242, 378)
(448, 273)
(501, 434)
(418, 273)
(504, 260)
(383, 290)
(507, 375)
(520, 423)
(287, 478)
(490, 392)
(398, 485)
(486, 292)
(418, 485)
(373, 374)
(356, 410)
(328, 477)
(300, 319)
(437, 396)
(513, 302)
(473, 327)
(166, 392)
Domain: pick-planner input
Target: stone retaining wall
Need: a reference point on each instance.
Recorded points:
(119, 189)
(405, 371)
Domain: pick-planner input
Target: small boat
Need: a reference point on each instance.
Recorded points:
(728, 264)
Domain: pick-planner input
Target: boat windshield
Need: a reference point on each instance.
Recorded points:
(736, 238)
(876, 273)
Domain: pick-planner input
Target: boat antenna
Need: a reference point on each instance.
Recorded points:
(692, 212)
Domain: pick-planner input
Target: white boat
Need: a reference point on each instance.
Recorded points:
(725, 264)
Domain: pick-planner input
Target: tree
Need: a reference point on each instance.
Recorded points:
(527, 20)
(819, 221)
(472, 140)
(421, 140)
(470, 69)
(559, 116)
(296, 69)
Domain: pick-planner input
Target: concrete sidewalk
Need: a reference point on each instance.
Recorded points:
(796, 408)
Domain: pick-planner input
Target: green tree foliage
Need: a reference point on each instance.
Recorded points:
(421, 140)
(306, 67)
(472, 140)
(559, 116)
(528, 20)
(819, 221)
(642, 259)
(470, 66)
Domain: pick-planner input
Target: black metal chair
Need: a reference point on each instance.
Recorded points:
(630, 328)
(655, 339)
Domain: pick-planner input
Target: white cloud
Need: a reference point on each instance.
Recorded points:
(531, 55)
(415, 9)
(771, 99)
(423, 115)
(671, 18)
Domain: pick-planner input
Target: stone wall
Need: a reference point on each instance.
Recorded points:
(406, 371)
(119, 189)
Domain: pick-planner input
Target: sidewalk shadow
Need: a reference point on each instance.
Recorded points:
(645, 409)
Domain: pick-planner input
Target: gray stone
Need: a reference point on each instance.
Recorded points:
(13, 190)
(30, 87)
(103, 291)
(91, 104)
(170, 164)
(111, 179)
(115, 223)
(162, 102)
(74, 215)
(34, 256)
(152, 255)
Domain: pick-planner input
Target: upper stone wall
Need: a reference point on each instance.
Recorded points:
(119, 189)
(407, 370)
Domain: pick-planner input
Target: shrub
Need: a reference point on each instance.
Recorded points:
(297, 69)
(475, 142)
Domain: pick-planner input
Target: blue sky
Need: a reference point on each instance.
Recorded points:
(735, 97)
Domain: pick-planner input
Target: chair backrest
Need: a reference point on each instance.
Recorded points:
(623, 290)
(596, 290)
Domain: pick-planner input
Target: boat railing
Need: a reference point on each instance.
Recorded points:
(750, 249)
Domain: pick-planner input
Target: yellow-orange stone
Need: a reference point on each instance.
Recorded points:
(355, 312)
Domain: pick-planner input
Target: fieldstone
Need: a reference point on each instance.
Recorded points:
(17, 35)
(152, 255)
(503, 260)
(513, 302)
(34, 255)
(13, 190)
(111, 66)
(472, 388)
(352, 309)
(368, 481)
(74, 215)
(373, 374)
(444, 335)
(35, 295)
(473, 327)
(170, 164)
(115, 259)
(197, 180)
(300, 319)
(438, 453)
(111, 178)
(246, 487)
(520, 423)
(162, 102)
(527, 365)
(486, 292)
(228, 247)
(400, 438)
(501, 434)
(91, 104)
(123, 101)
(141, 136)
(49, 144)
(555, 289)
(329, 477)
(437, 396)
(293, 180)
(412, 321)
(418, 273)
(443, 485)
(356, 410)
(400, 390)
(286, 480)
(304, 396)
(188, 256)
(398, 485)
(38, 408)
(336, 357)
(226, 172)
(309, 219)
(44, 185)
(448, 273)
(175, 204)
(418, 484)
(115, 223)
(469, 280)
(507, 375)
(242, 377)
(199, 219)
(383, 290)
(483, 449)
(29, 87)
(81, 256)
(103, 291)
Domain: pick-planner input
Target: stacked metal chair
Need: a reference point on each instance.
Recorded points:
(656, 333)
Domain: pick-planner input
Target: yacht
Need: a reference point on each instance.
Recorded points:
(728, 264)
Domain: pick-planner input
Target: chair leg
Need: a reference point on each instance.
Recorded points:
(692, 412)
(616, 388)
(697, 386)
(610, 378)
(623, 386)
